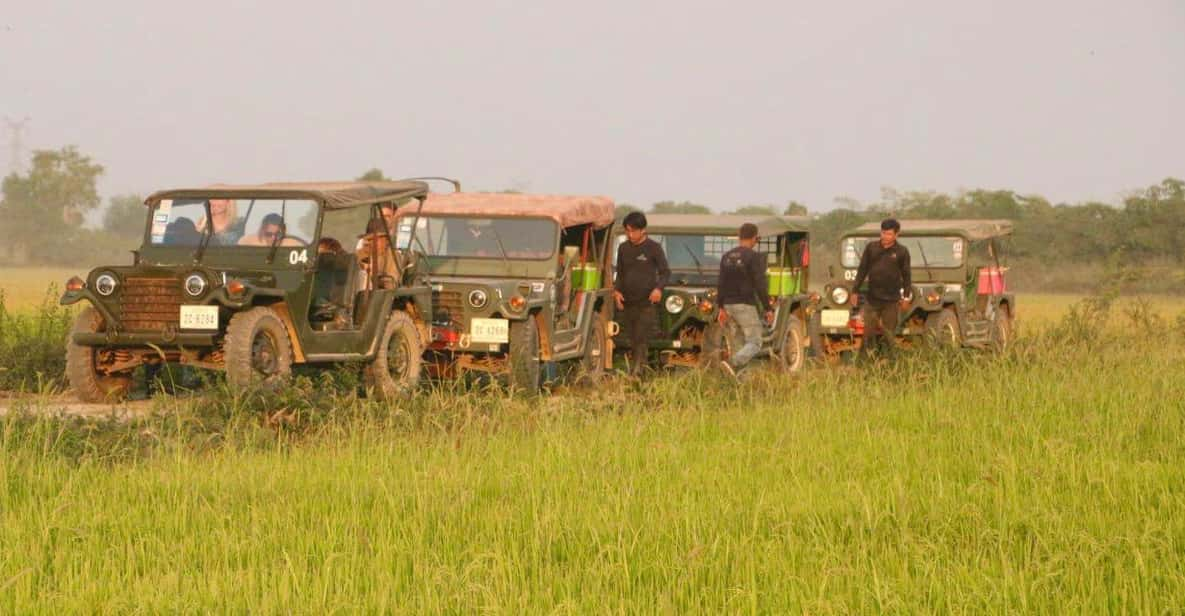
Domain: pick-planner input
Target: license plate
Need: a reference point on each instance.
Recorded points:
(489, 331)
(199, 317)
(835, 318)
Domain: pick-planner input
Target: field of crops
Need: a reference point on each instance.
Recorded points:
(1051, 478)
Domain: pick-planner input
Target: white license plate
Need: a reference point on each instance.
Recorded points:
(199, 317)
(835, 318)
(489, 331)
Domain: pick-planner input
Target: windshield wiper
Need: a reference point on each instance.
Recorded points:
(925, 262)
(271, 255)
(206, 236)
(698, 268)
(505, 257)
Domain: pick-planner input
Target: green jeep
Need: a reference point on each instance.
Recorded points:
(689, 332)
(959, 292)
(519, 283)
(230, 278)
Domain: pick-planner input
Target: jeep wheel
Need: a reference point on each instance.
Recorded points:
(592, 367)
(793, 354)
(942, 329)
(719, 342)
(84, 369)
(524, 355)
(257, 349)
(396, 367)
(1001, 331)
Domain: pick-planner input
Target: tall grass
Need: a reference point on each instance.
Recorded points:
(1046, 479)
(32, 344)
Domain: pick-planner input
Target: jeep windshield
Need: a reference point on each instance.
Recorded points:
(219, 222)
(702, 252)
(931, 251)
(471, 237)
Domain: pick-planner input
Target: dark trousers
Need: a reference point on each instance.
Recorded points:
(880, 325)
(639, 321)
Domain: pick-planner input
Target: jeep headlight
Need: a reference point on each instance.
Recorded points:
(105, 284)
(195, 285)
(840, 295)
(674, 304)
(478, 298)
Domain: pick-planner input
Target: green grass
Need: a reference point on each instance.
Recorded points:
(1049, 479)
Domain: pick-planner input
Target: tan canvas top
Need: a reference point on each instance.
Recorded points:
(973, 230)
(723, 224)
(334, 195)
(567, 210)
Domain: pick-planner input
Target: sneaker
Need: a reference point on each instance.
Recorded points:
(728, 369)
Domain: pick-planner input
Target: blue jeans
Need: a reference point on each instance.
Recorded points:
(746, 316)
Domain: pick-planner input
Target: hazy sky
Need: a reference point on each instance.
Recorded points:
(721, 103)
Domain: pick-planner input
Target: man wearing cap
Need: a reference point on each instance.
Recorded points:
(885, 265)
(743, 281)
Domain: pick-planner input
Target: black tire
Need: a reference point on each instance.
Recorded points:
(257, 350)
(942, 329)
(82, 365)
(719, 343)
(592, 365)
(1001, 330)
(525, 369)
(792, 355)
(395, 371)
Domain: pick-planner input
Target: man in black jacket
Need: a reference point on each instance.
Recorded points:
(885, 265)
(642, 272)
(743, 281)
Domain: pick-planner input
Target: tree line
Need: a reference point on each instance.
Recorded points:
(42, 215)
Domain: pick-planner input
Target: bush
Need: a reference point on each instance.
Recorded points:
(31, 345)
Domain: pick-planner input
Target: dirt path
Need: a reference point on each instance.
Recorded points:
(65, 404)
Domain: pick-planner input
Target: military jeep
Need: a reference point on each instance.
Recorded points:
(519, 284)
(229, 278)
(689, 331)
(959, 292)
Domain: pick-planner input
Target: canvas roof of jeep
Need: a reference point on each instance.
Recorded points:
(724, 224)
(567, 210)
(974, 230)
(335, 195)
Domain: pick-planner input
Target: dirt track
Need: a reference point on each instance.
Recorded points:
(69, 405)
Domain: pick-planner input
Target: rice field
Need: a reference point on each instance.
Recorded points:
(1048, 479)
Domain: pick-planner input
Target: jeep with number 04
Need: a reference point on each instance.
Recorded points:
(959, 294)
(689, 330)
(519, 284)
(230, 278)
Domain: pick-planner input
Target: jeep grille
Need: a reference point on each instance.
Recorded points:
(149, 304)
(448, 308)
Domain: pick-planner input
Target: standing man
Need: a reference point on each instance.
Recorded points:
(642, 272)
(742, 281)
(885, 265)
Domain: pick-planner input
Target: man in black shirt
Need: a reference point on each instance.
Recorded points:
(885, 265)
(742, 282)
(642, 272)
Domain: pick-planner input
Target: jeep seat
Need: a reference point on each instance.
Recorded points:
(333, 287)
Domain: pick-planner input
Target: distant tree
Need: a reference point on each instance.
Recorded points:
(756, 210)
(794, 208)
(623, 209)
(49, 202)
(682, 207)
(125, 215)
(373, 175)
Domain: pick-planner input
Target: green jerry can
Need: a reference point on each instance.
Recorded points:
(774, 275)
(586, 277)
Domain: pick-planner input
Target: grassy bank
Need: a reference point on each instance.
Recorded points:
(1049, 479)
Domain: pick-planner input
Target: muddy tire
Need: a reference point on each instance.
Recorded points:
(82, 364)
(942, 329)
(1001, 331)
(257, 350)
(719, 343)
(525, 369)
(592, 365)
(395, 371)
(792, 356)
